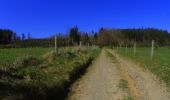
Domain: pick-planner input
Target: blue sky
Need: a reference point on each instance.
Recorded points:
(42, 18)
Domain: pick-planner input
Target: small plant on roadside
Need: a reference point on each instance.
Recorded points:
(123, 84)
(128, 98)
(111, 56)
(50, 56)
(26, 61)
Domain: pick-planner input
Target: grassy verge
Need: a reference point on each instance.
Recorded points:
(160, 65)
(47, 77)
(8, 56)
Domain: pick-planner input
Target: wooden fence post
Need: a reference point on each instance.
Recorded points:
(152, 50)
(88, 45)
(88, 50)
(80, 45)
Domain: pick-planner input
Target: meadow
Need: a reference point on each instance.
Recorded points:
(159, 65)
(8, 56)
(40, 73)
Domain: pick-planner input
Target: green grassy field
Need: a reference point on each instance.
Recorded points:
(160, 65)
(8, 56)
(44, 75)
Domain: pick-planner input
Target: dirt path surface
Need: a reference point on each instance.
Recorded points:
(100, 82)
(102, 79)
(145, 82)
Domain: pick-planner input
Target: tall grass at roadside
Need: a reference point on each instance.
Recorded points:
(47, 80)
(8, 56)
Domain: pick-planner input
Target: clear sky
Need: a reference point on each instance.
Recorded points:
(43, 18)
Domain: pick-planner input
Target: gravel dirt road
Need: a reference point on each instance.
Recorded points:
(103, 76)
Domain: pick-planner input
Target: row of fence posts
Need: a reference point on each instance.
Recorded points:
(56, 48)
(151, 52)
(134, 49)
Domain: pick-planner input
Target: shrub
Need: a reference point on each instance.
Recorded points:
(50, 56)
(71, 55)
(26, 61)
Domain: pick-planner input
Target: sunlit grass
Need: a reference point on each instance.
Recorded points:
(8, 56)
(160, 65)
(35, 77)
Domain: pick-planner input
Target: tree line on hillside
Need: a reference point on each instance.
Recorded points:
(124, 37)
(8, 36)
(104, 37)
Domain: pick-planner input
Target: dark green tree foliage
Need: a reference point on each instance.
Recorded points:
(14, 38)
(35, 43)
(94, 38)
(107, 37)
(85, 38)
(145, 36)
(29, 36)
(128, 36)
(74, 35)
(7, 36)
(23, 36)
